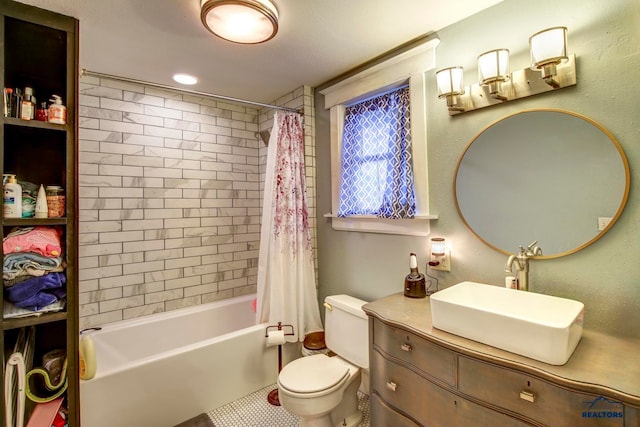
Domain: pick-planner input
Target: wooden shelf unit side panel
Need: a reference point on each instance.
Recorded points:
(63, 82)
(73, 322)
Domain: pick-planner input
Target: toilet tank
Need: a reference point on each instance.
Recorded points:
(346, 329)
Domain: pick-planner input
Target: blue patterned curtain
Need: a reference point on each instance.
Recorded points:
(377, 170)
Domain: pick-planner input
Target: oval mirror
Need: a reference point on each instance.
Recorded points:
(551, 176)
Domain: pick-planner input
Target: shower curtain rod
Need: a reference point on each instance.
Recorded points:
(86, 72)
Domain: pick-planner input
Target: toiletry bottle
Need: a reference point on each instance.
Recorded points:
(16, 96)
(42, 209)
(88, 360)
(42, 112)
(27, 105)
(8, 95)
(414, 283)
(57, 111)
(56, 203)
(12, 201)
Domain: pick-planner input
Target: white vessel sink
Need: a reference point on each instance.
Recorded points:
(538, 326)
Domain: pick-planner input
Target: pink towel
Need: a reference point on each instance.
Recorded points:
(41, 240)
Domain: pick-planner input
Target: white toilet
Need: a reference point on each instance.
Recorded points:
(322, 390)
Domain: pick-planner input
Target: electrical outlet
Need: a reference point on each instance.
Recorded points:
(441, 262)
(603, 222)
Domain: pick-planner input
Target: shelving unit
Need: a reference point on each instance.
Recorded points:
(39, 49)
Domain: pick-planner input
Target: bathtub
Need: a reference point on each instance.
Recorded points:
(165, 368)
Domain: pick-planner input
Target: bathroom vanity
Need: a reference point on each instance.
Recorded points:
(424, 376)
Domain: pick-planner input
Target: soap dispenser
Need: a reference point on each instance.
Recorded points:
(57, 111)
(414, 283)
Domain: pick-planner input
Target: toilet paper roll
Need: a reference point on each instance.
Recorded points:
(275, 338)
(511, 282)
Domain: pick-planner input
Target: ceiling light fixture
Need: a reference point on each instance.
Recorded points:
(185, 79)
(240, 21)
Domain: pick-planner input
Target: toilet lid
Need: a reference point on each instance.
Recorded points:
(312, 374)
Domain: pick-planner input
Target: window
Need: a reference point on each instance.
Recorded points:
(406, 70)
(376, 166)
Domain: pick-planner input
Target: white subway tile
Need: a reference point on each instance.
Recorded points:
(110, 125)
(142, 267)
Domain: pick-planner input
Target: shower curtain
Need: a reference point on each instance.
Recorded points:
(286, 275)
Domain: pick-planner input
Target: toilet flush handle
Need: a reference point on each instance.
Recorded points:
(328, 306)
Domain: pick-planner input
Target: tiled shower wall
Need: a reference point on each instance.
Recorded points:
(170, 198)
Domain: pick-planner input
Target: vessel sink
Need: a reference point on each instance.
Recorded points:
(541, 327)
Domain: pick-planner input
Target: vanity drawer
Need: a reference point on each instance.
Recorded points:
(532, 397)
(426, 402)
(410, 348)
(383, 415)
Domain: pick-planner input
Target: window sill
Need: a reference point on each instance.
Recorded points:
(418, 226)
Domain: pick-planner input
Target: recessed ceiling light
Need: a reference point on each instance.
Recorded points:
(185, 79)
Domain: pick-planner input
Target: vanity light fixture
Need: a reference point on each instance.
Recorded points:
(548, 48)
(450, 86)
(240, 21)
(493, 70)
(551, 68)
(440, 258)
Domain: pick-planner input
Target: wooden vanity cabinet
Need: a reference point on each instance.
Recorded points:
(419, 380)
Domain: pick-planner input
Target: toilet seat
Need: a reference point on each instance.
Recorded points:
(313, 375)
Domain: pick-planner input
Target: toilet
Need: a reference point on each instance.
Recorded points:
(322, 390)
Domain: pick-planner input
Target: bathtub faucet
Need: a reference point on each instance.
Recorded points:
(521, 262)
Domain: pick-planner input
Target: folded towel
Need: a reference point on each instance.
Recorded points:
(37, 302)
(30, 288)
(28, 263)
(42, 240)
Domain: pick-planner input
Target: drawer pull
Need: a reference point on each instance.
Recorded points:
(528, 396)
(391, 385)
(406, 347)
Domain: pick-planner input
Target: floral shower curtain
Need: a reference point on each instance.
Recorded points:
(286, 274)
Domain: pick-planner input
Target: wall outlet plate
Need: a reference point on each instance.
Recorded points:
(603, 222)
(443, 261)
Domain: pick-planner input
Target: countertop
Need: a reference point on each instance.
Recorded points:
(601, 363)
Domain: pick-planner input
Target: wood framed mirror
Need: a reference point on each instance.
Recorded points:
(546, 175)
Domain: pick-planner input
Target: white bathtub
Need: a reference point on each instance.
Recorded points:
(163, 369)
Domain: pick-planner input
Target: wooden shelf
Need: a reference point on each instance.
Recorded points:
(21, 322)
(39, 49)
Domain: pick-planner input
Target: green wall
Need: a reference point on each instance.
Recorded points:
(605, 36)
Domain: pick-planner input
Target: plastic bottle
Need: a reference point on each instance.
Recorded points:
(42, 208)
(57, 111)
(88, 363)
(12, 201)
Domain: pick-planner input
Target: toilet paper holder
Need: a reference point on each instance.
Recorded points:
(278, 327)
(272, 397)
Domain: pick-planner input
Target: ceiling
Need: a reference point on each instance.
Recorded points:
(150, 40)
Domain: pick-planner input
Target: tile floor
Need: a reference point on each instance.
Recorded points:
(254, 411)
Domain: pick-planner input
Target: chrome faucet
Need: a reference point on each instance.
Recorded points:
(521, 262)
